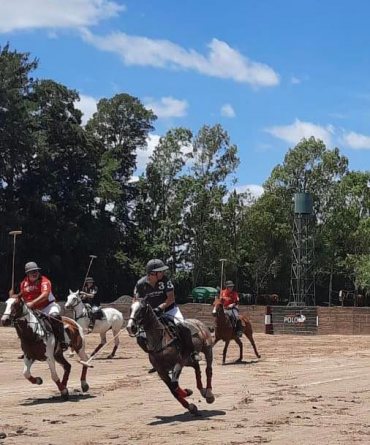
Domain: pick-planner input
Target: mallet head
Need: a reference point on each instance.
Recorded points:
(15, 232)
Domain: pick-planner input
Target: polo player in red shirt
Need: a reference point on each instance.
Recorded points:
(36, 292)
(230, 302)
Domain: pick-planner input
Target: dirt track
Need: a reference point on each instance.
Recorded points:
(304, 390)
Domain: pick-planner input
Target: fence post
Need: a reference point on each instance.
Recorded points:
(268, 324)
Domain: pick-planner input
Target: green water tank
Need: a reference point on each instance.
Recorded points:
(303, 203)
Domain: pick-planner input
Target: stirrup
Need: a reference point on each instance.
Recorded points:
(194, 357)
(239, 334)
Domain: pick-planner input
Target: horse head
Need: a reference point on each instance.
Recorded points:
(138, 315)
(218, 307)
(73, 299)
(15, 308)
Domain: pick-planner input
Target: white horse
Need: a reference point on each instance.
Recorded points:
(38, 344)
(113, 319)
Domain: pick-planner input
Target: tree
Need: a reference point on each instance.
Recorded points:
(214, 160)
(16, 140)
(161, 197)
(121, 125)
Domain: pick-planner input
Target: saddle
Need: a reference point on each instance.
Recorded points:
(45, 323)
(94, 315)
(233, 322)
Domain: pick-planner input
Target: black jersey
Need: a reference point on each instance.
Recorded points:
(156, 295)
(92, 291)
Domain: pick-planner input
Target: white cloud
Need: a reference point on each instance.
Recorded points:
(167, 107)
(133, 179)
(295, 80)
(299, 130)
(254, 189)
(144, 155)
(221, 61)
(227, 111)
(87, 105)
(29, 14)
(338, 115)
(356, 141)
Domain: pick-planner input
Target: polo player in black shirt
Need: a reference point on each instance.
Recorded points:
(158, 291)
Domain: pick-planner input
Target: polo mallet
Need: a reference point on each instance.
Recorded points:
(14, 233)
(223, 261)
(87, 363)
(88, 269)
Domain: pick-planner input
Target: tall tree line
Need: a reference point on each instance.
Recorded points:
(70, 189)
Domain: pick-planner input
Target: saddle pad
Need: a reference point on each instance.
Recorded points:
(193, 328)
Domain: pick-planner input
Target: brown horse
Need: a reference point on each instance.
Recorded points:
(224, 330)
(165, 354)
(40, 343)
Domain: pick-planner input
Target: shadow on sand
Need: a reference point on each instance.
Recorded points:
(203, 414)
(74, 397)
(99, 359)
(243, 362)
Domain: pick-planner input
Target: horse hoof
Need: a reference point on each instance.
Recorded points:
(193, 409)
(210, 399)
(203, 391)
(189, 392)
(258, 356)
(65, 394)
(85, 386)
(39, 381)
(110, 356)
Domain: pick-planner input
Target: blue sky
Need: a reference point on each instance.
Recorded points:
(271, 72)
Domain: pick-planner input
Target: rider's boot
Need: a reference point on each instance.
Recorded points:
(91, 323)
(187, 341)
(239, 328)
(59, 331)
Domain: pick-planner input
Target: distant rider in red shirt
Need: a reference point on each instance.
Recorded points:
(36, 292)
(230, 302)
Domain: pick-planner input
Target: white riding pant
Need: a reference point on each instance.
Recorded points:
(52, 309)
(232, 312)
(176, 315)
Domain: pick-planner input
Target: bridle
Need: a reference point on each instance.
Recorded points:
(140, 329)
(72, 307)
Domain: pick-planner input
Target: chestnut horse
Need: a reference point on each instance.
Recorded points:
(164, 352)
(39, 344)
(224, 330)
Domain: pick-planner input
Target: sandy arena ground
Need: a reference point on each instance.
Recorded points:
(304, 390)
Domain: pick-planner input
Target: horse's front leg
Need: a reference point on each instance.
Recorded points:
(83, 356)
(210, 398)
(240, 344)
(224, 352)
(27, 371)
(175, 381)
(62, 388)
(179, 394)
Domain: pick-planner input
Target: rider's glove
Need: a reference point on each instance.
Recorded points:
(158, 311)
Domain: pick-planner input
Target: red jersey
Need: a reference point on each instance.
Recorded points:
(229, 297)
(31, 290)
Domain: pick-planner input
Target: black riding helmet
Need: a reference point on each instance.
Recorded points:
(156, 265)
